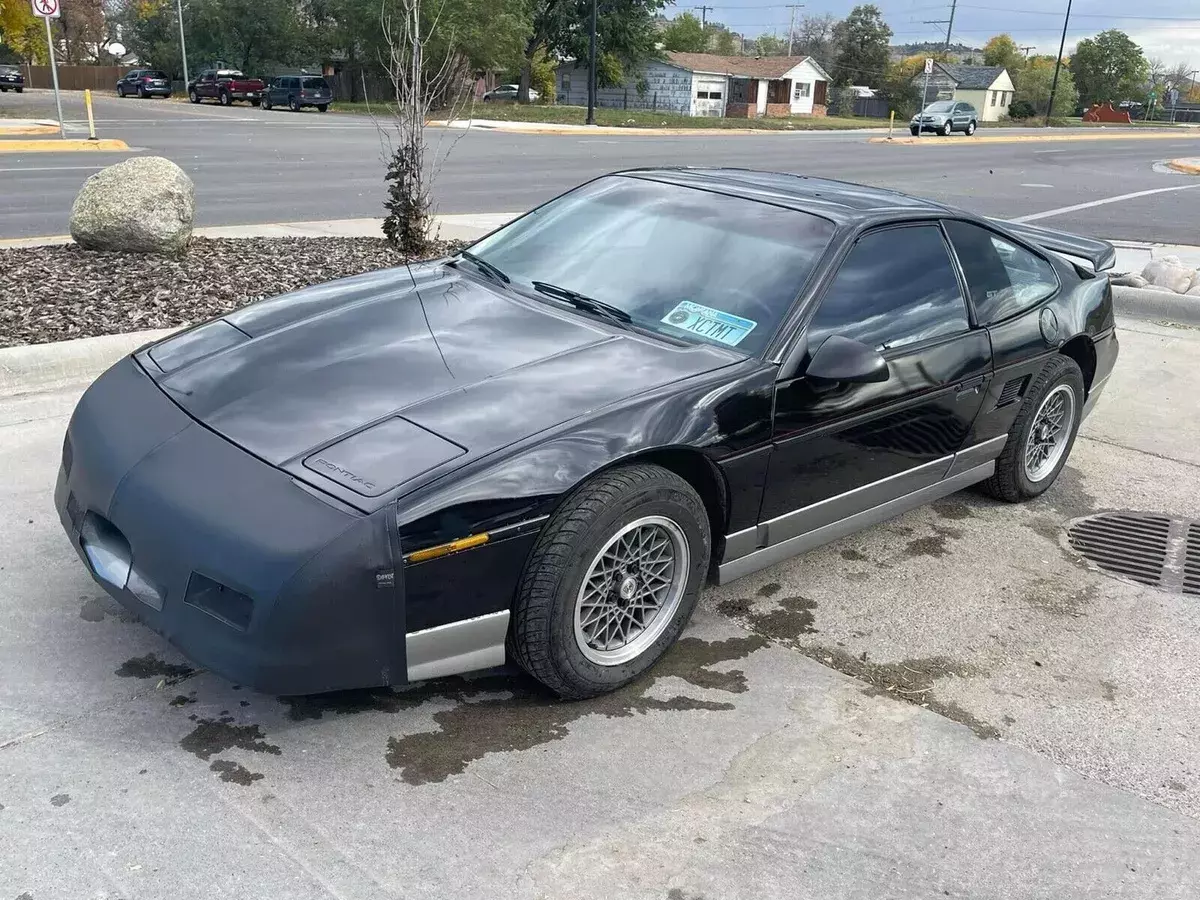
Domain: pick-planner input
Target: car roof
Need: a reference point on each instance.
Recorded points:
(842, 201)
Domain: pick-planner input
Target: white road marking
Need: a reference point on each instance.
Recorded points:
(1037, 185)
(1060, 150)
(1094, 203)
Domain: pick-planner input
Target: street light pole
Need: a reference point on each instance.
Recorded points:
(182, 44)
(591, 112)
(1058, 64)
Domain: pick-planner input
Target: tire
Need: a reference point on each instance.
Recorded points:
(1014, 481)
(20, 90)
(322, 107)
(225, 99)
(946, 130)
(142, 95)
(255, 102)
(293, 105)
(915, 131)
(547, 637)
(266, 102)
(971, 128)
(193, 96)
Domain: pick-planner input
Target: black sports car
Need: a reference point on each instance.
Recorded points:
(541, 448)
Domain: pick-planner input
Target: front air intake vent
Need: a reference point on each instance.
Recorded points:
(224, 603)
(68, 455)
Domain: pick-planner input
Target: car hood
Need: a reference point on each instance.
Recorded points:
(371, 381)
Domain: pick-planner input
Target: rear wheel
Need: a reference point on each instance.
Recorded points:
(142, 93)
(226, 100)
(611, 581)
(1042, 435)
(321, 107)
(20, 90)
(971, 128)
(193, 96)
(266, 101)
(255, 102)
(293, 104)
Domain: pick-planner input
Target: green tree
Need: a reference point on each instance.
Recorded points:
(685, 34)
(1002, 50)
(723, 41)
(769, 45)
(1109, 67)
(862, 38)
(22, 32)
(1035, 84)
(625, 30)
(901, 85)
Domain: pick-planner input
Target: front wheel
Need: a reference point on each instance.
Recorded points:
(611, 582)
(945, 130)
(1042, 435)
(226, 100)
(914, 131)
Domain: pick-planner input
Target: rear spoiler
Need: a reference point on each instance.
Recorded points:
(1100, 255)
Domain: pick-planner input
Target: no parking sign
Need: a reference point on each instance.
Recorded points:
(47, 9)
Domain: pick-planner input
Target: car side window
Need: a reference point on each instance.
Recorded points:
(896, 287)
(1002, 277)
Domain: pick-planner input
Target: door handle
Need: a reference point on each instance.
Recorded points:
(970, 387)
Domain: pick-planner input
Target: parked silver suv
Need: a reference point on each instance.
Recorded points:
(944, 117)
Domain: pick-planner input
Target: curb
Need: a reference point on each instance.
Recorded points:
(28, 129)
(71, 145)
(1032, 138)
(46, 367)
(1140, 303)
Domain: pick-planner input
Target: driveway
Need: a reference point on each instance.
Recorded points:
(949, 704)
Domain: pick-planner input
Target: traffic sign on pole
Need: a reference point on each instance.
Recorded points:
(47, 9)
(51, 9)
(928, 62)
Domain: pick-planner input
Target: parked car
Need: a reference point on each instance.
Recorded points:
(144, 83)
(11, 79)
(945, 117)
(540, 448)
(509, 92)
(225, 86)
(298, 91)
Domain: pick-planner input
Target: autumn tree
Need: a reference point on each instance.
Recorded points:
(863, 39)
(1002, 50)
(814, 36)
(22, 32)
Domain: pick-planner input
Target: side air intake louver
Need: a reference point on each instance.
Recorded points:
(1012, 391)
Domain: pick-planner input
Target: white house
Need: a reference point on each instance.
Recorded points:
(703, 84)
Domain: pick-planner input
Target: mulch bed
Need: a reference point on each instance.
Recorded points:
(60, 293)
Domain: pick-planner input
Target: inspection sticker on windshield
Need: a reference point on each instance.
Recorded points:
(710, 323)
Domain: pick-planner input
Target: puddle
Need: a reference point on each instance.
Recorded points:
(235, 773)
(150, 666)
(213, 736)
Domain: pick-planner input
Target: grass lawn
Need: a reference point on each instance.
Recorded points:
(636, 118)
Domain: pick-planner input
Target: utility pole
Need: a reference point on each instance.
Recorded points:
(704, 11)
(792, 25)
(1026, 50)
(182, 45)
(950, 24)
(591, 112)
(1058, 64)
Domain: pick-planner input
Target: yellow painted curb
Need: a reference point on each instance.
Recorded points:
(28, 129)
(1187, 168)
(61, 146)
(932, 140)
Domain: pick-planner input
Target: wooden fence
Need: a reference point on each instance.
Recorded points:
(76, 78)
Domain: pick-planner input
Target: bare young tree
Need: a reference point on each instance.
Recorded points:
(427, 73)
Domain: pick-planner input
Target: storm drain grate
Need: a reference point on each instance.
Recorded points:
(1129, 544)
(1191, 560)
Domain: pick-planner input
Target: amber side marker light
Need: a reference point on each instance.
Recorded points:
(428, 553)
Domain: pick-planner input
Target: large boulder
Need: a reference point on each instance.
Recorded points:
(1170, 273)
(142, 205)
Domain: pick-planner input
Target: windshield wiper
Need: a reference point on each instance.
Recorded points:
(583, 302)
(493, 271)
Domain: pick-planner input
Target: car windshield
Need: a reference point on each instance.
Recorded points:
(689, 264)
(316, 84)
(940, 106)
(9, 70)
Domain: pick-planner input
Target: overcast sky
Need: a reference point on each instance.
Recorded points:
(1168, 29)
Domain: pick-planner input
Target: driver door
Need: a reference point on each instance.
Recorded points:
(843, 447)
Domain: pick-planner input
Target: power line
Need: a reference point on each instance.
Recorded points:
(704, 10)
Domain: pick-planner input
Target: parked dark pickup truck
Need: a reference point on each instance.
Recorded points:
(11, 77)
(226, 86)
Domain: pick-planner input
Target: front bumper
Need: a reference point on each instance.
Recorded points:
(248, 572)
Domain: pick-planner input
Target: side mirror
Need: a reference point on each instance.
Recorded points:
(842, 359)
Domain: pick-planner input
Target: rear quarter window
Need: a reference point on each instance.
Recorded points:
(1003, 278)
(315, 84)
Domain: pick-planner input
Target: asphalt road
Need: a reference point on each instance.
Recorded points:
(1018, 725)
(252, 166)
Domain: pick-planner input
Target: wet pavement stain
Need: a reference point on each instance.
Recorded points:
(770, 590)
(852, 555)
(1069, 496)
(792, 617)
(97, 609)
(952, 508)
(235, 773)
(934, 545)
(183, 699)
(150, 666)
(60, 799)
(530, 716)
(1108, 691)
(213, 736)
